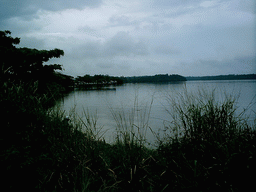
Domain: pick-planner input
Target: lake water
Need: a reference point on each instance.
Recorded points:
(145, 105)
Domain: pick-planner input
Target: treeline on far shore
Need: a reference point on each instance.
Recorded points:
(97, 79)
(104, 80)
(223, 77)
(159, 78)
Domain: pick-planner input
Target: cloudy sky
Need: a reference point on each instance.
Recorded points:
(138, 37)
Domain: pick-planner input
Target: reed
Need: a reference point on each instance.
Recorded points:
(132, 126)
(205, 142)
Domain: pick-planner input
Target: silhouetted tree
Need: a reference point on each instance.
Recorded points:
(23, 61)
(26, 65)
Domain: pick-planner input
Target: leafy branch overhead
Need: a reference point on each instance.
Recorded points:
(26, 65)
(21, 61)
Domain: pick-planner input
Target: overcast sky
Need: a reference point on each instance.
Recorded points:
(138, 37)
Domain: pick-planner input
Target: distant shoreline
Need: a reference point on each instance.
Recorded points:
(222, 77)
(99, 81)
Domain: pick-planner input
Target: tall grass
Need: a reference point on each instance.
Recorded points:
(44, 151)
(208, 145)
(130, 154)
(133, 125)
(200, 114)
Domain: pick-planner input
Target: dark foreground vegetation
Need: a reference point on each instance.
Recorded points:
(206, 148)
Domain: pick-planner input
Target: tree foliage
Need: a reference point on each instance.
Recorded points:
(98, 79)
(27, 65)
(159, 78)
(223, 77)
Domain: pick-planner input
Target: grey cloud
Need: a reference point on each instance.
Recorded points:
(32, 42)
(237, 65)
(173, 8)
(13, 8)
(121, 20)
(173, 3)
(87, 29)
(246, 61)
(179, 12)
(165, 36)
(204, 67)
(104, 65)
(19, 26)
(18, 8)
(67, 4)
(123, 44)
(115, 67)
(91, 49)
(165, 50)
(247, 6)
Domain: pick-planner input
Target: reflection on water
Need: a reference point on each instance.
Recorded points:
(144, 105)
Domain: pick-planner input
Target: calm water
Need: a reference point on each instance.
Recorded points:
(145, 105)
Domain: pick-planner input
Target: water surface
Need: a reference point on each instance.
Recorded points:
(146, 105)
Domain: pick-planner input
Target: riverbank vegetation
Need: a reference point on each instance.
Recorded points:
(159, 78)
(206, 147)
(88, 81)
(96, 82)
(223, 77)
